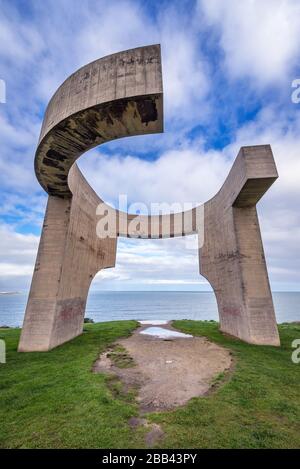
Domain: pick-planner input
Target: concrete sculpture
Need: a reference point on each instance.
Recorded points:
(118, 96)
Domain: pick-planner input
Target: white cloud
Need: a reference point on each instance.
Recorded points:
(165, 281)
(259, 37)
(125, 25)
(153, 262)
(24, 135)
(54, 43)
(14, 270)
(17, 244)
(185, 175)
(185, 71)
(17, 255)
(19, 44)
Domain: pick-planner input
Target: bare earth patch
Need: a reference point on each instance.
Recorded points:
(166, 372)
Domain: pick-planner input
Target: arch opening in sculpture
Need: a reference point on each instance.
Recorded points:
(147, 293)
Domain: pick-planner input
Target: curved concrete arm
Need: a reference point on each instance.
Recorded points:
(122, 224)
(116, 96)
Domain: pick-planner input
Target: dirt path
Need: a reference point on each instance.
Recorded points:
(167, 372)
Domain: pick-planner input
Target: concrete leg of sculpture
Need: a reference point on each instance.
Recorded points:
(68, 258)
(232, 257)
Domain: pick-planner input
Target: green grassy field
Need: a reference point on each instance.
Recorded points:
(53, 400)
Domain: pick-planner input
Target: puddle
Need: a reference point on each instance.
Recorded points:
(154, 322)
(162, 333)
(167, 372)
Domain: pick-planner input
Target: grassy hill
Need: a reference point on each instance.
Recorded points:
(53, 400)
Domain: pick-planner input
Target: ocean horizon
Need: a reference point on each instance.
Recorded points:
(105, 306)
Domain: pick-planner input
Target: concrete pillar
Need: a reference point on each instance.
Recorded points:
(232, 258)
(69, 256)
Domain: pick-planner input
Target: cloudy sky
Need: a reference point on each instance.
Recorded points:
(228, 68)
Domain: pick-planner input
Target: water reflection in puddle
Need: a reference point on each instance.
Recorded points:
(162, 333)
(154, 322)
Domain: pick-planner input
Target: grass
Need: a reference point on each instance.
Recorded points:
(120, 357)
(53, 400)
(259, 407)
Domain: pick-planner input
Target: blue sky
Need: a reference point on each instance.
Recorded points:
(228, 66)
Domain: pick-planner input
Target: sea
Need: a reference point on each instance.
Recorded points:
(119, 305)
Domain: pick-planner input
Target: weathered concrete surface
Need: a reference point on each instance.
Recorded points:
(116, 96)
(113, 97)
(232, 257)
(69, 256)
